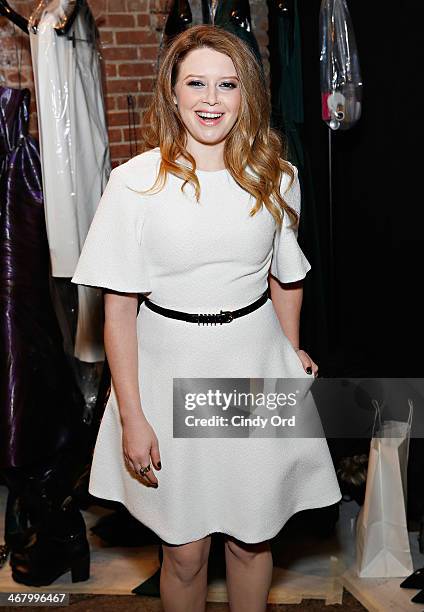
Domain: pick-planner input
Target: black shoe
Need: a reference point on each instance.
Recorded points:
(419, 597)
(414, 581)
(51, 559)
(57, 547)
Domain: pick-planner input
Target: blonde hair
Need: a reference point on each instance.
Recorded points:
(251, 143)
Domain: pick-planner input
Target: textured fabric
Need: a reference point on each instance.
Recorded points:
(201, 258)
(289, 263)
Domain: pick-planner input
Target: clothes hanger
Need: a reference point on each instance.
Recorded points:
(13, 16)
(67, 18)
(62, 28)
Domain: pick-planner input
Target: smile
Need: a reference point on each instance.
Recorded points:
(209, 118)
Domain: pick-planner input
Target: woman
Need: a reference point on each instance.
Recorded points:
(194, 223)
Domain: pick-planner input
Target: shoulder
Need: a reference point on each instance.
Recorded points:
(290, 190)
(285, 177)
(140, 171)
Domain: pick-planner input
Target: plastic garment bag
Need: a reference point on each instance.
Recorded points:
(74, 148)
(341, 84)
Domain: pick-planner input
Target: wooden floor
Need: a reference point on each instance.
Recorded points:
(308, 575)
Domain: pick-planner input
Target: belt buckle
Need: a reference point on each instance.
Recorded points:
(224, 316)
(227, 314)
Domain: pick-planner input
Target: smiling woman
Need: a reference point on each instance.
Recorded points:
(198, 223)
(207, 95)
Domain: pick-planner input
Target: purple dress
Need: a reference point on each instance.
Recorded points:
(40, 403)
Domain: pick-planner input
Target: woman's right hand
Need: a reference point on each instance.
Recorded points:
(140, 444)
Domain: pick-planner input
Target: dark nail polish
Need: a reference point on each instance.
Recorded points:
(159, 465)
(156, 486)
(309, 370)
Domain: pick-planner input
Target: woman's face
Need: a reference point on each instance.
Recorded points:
(207, 92)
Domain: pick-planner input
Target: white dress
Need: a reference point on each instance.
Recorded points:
(201, 258)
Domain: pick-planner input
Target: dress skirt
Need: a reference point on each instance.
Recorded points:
(200, 257)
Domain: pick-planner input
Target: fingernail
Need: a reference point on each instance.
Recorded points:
(159, 465)
(156, 485)
(309, 370)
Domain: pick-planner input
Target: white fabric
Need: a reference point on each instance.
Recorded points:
(74, 153)
(200, 258)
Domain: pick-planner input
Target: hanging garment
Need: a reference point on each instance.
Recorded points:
(74, 150)
(233, 16)
(39, 400)
(200, 258)
(285, 57)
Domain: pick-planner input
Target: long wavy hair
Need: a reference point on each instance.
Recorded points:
(251, 143)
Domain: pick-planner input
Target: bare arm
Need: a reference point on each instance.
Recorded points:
(287, 301)
(139, 440)
(120, 339)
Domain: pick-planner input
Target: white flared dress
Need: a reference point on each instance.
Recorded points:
(201, 258)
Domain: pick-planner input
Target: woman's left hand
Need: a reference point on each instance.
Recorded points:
(308, 364)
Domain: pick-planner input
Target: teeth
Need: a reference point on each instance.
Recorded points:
(209, 115)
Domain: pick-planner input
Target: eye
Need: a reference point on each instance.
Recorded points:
(228, 85)
(195, 83)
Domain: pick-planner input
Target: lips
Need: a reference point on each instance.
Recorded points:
(208, 118)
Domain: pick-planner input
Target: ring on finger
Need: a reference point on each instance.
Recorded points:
(144, 470)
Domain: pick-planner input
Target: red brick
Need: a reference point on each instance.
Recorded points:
(122, 85)
(106, 37)
(15, 77)
(140, 37)
(121, 20)
(98, 6)
(144, 100)
(121, 118)
(111, 70)
(122, 103)
(120, 150)
(119, 53)
(146, 84)
(159, 6)
(115, 135)
(129, 135)
(148, 53)
(143, 20)
(110, 102)
(138, 6)
(136, 69)
(117, 6)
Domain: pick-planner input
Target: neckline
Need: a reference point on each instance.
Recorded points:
(203, 172)
(223, 170)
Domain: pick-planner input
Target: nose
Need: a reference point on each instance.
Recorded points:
(211, 97)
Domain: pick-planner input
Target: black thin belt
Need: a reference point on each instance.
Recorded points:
(224, 316)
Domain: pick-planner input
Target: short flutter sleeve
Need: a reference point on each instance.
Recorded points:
(112, 255)
(288, 263)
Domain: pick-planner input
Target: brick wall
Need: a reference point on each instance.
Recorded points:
(130, 35)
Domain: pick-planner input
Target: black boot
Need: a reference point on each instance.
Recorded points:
(59, 545)
(56, 541)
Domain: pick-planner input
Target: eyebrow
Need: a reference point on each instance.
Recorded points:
(202, 76)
